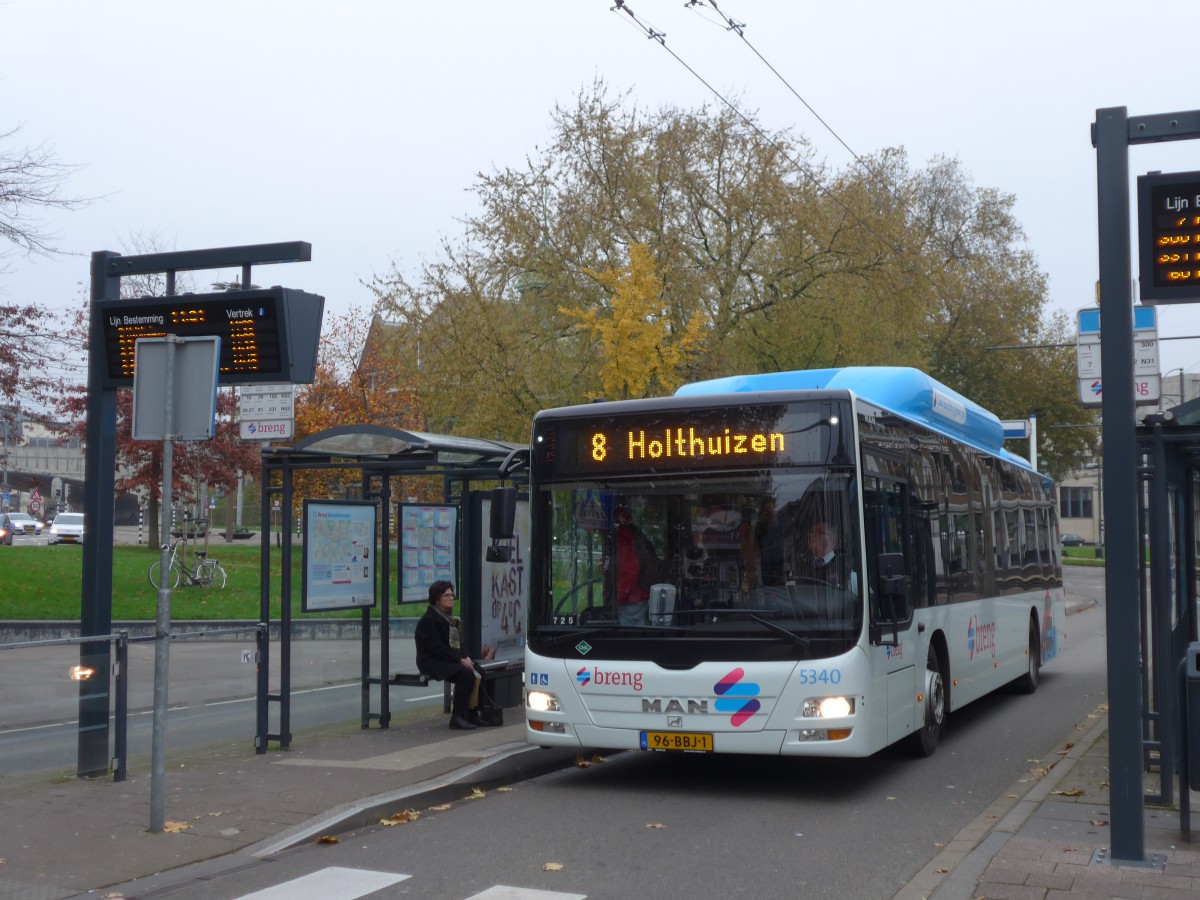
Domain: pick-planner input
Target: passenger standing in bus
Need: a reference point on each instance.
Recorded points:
(635, 558)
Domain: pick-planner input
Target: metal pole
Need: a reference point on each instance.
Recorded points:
(1111, 137)
(100, 461)
(1033, 442)
(162, 622)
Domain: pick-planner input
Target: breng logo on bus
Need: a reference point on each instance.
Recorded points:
(981, 638)
(611, 679)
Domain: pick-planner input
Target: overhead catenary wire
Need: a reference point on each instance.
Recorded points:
(911, 265)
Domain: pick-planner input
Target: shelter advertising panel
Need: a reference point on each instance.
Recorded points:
(339, 555)
(428, 549)
(504, 589)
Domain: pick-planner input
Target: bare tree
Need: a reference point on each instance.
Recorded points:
(31, 181)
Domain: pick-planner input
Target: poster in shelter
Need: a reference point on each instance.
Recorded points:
(428, 549)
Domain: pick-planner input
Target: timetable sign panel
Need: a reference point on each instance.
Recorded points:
(267, 336)
(276, 401)
(1169, 237)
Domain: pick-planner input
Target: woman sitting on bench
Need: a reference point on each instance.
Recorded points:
(441, 655)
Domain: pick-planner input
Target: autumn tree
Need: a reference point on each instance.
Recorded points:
(762, 259)
(640, 354)
(366, 375)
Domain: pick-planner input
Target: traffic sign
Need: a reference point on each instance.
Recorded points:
(1147, 383)
(35, 502)
(1015, 429)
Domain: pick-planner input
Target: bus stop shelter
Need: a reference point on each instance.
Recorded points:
(377, 455)
(1168, 446)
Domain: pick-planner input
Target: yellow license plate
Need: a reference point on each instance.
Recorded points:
(686, 741)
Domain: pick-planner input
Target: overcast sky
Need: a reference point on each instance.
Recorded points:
(359, 127)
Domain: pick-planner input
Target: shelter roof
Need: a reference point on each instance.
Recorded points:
(372, 444)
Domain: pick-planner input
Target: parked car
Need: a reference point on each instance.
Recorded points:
(15, 523)
(1071, 540)
(67, 528)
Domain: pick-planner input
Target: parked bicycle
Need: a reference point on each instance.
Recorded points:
(205, 573)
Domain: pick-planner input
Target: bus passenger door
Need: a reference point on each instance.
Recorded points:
(895, 650)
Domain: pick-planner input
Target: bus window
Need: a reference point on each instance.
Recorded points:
(886, 533)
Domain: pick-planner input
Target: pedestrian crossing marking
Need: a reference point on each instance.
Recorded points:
(335, 881)
(348, 884)
(505, 892)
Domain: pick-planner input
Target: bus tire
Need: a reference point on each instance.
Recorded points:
(927, 737)
(1028, 683)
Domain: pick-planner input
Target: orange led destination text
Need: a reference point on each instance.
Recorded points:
(686, 443)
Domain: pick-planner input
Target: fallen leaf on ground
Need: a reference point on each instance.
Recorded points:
(1065, 750)
(655, 825)
(175, 827)
(441, 807)
(327, 839)
(1099, 822)
(1076, 792)
(939, 844)
(401, 818)
(552, 867)
(476, 794)
(504, 790)
(941, 871)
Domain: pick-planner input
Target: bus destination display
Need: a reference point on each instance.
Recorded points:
(1169, 236)
(256, 341)
(691, 439)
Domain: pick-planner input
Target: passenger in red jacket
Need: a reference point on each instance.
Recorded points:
(636, 560)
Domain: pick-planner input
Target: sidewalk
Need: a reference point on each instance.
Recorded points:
(1047, 838)
(223, 804)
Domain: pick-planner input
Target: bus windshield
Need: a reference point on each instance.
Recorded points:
(770, 555)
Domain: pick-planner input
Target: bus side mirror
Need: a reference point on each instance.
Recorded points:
(503, 524)
(892, 580)
(893, 592)
(504, 513)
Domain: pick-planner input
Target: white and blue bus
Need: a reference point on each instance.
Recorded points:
(678, 597)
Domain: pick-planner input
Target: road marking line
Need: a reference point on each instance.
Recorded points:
(505, 892)
(336, 881)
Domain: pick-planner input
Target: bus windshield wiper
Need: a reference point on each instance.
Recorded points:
(796, 639)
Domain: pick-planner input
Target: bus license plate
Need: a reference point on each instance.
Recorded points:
(687, 741)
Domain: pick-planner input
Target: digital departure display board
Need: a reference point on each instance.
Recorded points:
(1169, 237)
(267, 336)
(696, 438)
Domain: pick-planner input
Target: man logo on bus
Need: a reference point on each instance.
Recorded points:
(731, 686)
(981, 638)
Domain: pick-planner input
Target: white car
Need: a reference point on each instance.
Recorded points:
(67, 528)
(18, 523)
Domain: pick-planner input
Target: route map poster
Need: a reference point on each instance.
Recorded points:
(428, 549)
(339, 555)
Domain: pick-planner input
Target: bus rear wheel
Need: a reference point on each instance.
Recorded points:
(927, 738)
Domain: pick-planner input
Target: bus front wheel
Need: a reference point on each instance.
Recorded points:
(1028, 683)
(926, 739)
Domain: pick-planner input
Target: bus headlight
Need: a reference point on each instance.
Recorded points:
(543, 701)
(828, 707)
